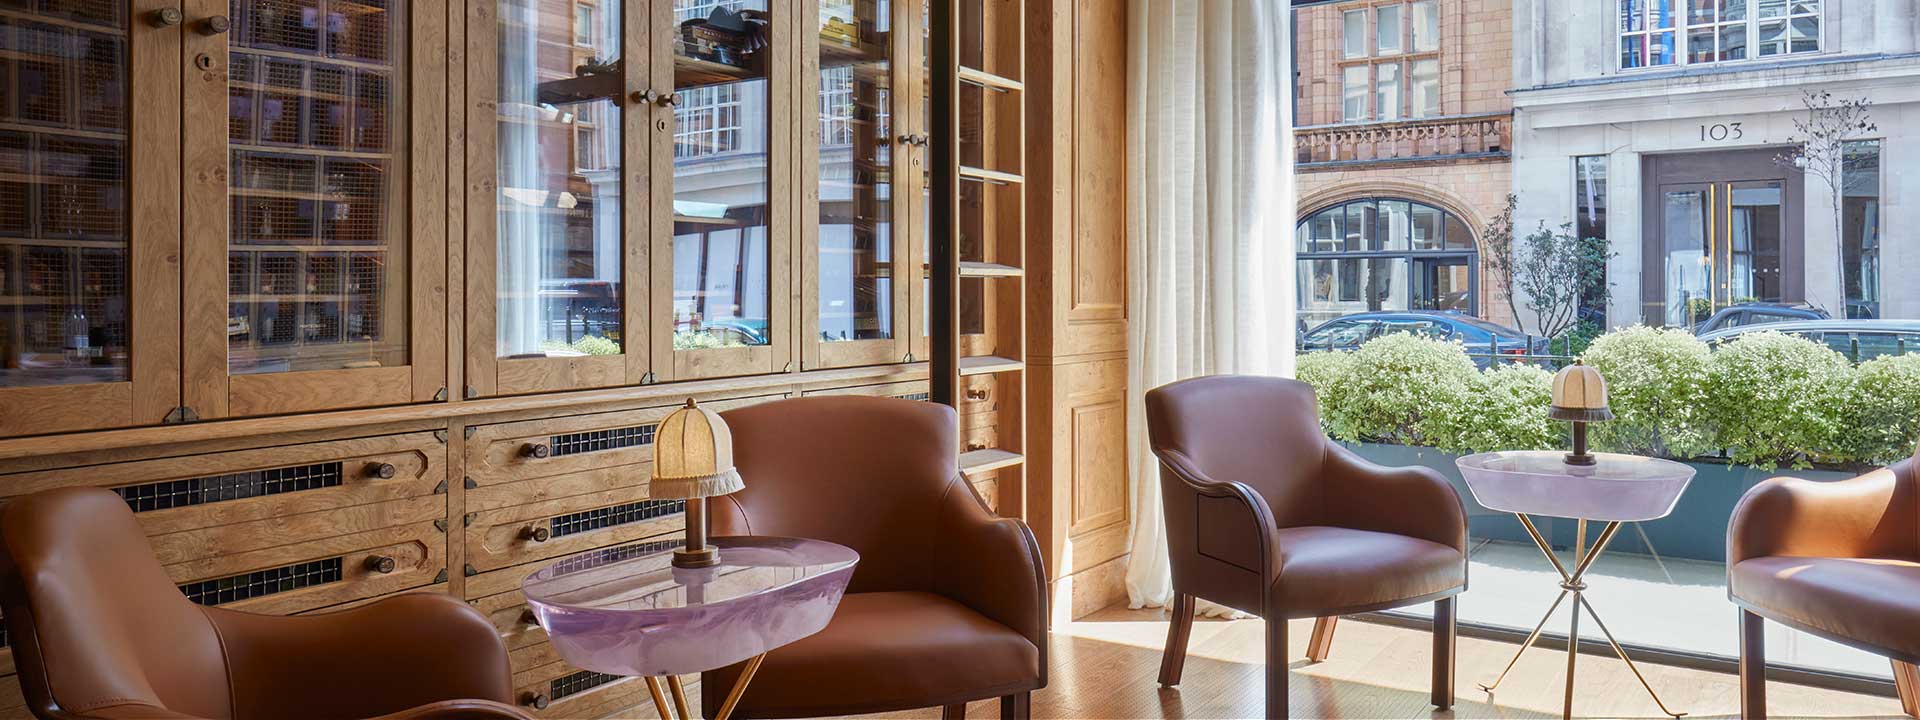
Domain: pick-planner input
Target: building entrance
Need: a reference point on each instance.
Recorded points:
(1721, 229)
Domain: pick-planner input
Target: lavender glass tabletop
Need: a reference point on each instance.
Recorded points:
(613, 612)
(1623, 488)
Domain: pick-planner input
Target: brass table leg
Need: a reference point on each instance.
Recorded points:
(680, 693)
(659, 699)
(1573, 583)
(679, 696)
(739, 687)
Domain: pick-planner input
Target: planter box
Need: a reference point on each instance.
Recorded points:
(1696, 530)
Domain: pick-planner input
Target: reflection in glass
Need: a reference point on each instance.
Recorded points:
(63, 196)
(1332, 287)
(317, 257)
(856, 173)
(1754, 231)
(1860, 229)
(559, 243)
(1683, 216)
(1444, 284)
(721, 174)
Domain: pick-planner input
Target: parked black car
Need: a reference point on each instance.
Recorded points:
(1746, 314)
(1483, 340)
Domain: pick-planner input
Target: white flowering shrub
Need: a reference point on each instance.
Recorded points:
(1404, 389)
(1324, 371)
(1657, 389)
(1886, 410)
(1508, 411)
(1775, 399)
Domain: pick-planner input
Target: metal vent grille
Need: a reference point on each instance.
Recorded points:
(259, 583)
(568, 685)
(597, 440)
(921, 397)
(606, 517)
(234, 486)
(613, 554)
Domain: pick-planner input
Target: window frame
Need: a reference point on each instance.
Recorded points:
(1468, 251)
(1682, 27)
(1404, 57)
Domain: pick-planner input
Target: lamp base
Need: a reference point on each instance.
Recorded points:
(708, 556)
(1579, 459)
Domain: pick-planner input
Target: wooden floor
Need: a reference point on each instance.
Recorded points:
(1106, 666)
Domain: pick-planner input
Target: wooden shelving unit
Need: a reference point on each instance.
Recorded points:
(978, 226)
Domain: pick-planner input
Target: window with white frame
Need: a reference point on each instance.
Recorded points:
(708, 123)
(684, 10)
(836, 106)
(1398, 70)
(1658, 33)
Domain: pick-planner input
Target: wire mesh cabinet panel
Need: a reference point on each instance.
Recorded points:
(88, 275)
(314, 157)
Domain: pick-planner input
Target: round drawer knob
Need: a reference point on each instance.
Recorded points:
(536, 533)
(165, 17)
(383, 471)
(537, 701)
(536, 450)
(382, 564)
(214, 25)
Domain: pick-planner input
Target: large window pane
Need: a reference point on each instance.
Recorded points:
(1333, 287)
(1860, 229)
(1423, 81)
(63, 196)
(1590, 219)
(1353, 93)
(721, 175)
(317, 247)
(1386, 99)
(856, 187)
(1387, 30)
(1426, 26)
(559, 242)
(1353, 33)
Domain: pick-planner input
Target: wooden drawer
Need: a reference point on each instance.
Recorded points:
(288, 579)
(533, 449)
(209, 505)
(569, 692)
(503, 537)
(916, 390)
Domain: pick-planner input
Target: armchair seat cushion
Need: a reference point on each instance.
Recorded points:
(1332, 568)
(1867, 600)
(888, 650)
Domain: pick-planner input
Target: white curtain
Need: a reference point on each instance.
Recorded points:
(1209, 219)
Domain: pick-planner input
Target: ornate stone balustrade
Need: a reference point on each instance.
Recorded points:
(1404, 141)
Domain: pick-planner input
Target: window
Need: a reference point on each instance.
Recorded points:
(1353, 34)
(1387, 30)
(1860, 228)
(1426, 26)
(709, 122)
(1590, 219)
(583, 24)
(1423, 88)
(1715, 30)
(1353, 93)
(1383, 254)
(1386, 89)
(836, 106)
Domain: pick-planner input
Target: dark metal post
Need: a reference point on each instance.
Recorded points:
(944, 200)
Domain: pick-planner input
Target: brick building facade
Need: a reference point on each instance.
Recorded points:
(1403, 153)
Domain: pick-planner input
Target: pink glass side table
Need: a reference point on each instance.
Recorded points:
(613, 612)
(1615, 489)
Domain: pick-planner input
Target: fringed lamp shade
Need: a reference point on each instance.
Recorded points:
(693, 456)
(1579, 393)
(693, 460)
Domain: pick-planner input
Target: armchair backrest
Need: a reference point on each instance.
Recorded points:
(869, 473)
(94, 619)
(1261, 431)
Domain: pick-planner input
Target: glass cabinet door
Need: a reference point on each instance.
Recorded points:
(858, 237)
(88, 283)
(553, 304)
(721, 255)
(303, 253)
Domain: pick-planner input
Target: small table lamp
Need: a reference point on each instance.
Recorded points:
(1580, 396)
(693, 460)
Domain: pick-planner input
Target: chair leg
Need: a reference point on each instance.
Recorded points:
(1906, 681)
(1179, 628)
(1321, 643)
(1443, 643)
(1753, 667)
(1018, 706)
(1276, 666)
(957, 711)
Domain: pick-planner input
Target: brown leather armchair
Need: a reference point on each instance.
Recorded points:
(1266, 516)
(1839, 560)
(99, 631)
(948, 603)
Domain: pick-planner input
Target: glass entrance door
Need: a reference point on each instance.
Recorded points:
(1721, 246)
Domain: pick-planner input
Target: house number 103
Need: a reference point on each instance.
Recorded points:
(1721, 131)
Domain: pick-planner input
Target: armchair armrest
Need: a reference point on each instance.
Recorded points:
(1240, 528)
(993, 566)
(1872, 515)
(387, 656)
(1412, 501)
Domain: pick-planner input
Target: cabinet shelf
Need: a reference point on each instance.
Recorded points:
(989, 365)
(974, 462)
(970, 269)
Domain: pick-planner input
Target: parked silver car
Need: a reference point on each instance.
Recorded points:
(1859, 340)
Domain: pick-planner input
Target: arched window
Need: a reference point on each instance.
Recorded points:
(1384, 254)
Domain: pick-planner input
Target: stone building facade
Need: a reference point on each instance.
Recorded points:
(1403, 154)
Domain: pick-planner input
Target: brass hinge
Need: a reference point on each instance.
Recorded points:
(648, 379)
(467, 521)
(442, 577)
(440, 435)
(470, 570)
(179, 415)
(440, 525)
(440, 489)
(468, 433)
(472, 393)
(789, 367)
(908, 358)
(469, 484)
(440, 396)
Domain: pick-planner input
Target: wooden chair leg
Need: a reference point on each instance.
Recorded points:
(1443, 643)
(1179, 628)
(1018, 706)
(1753, 667)
(1322, 640)
(1276, 666)
(956, 711)
(1906, 681)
